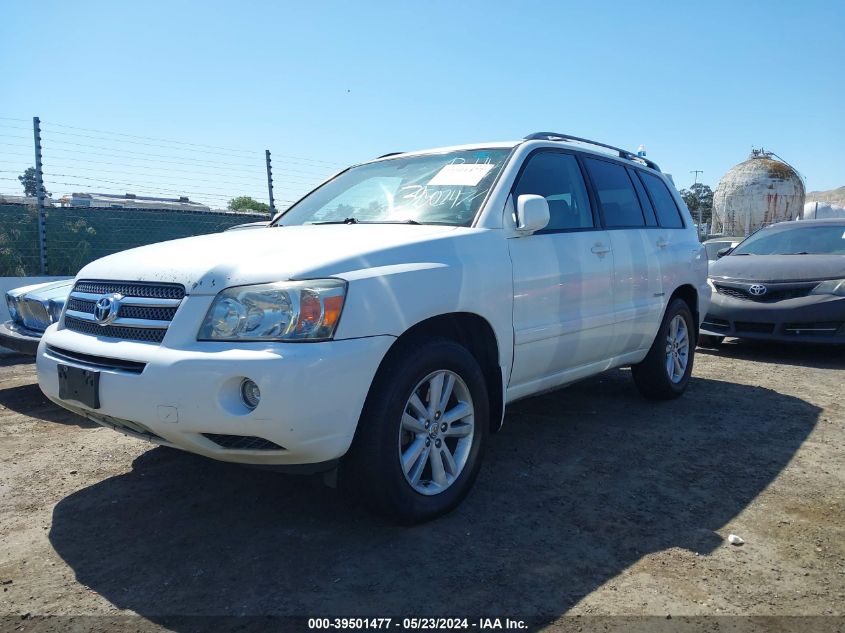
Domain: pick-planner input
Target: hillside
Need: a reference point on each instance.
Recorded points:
(831, 196)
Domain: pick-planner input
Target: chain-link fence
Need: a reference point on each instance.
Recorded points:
(19, 250)
(77, 236)
(100, 192)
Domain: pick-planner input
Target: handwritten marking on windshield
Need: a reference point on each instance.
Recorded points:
(418, 196)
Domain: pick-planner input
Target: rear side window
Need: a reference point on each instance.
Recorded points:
(617, 198)
(664, 204)
(645, 203)
(557, 177)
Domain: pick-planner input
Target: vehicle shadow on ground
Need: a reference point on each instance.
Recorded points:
(799, 355)
(579, 485)
(10, 359)
(29, 400)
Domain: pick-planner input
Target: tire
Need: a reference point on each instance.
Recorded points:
(710, 341)
(652, 375)
(392, 425)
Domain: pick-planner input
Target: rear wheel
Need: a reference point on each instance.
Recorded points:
(420, 439)
(665, 371)
(708, 340)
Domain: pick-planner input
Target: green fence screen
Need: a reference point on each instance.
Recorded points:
(78, 235)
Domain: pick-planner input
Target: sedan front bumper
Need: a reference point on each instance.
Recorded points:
(810, 319)
(18, 338)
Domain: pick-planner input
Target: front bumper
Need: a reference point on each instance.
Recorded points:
(810, 319)
(18, 338)
(312, 394)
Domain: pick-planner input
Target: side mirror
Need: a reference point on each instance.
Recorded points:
(723, 252)
(532, 213)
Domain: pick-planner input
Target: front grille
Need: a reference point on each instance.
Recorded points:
(33, 314)
(132, 289)
(81, 306)
(139, 311)
(243, 442)
(772, 295)
(748, 326)
(126, 311)
(97, 362)
(732, 292)
(143, 334)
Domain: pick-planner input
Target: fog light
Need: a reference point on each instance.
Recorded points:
(250, 393)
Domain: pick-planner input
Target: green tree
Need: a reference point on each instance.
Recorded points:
(247, 203)
(699, 196)
(30, 185)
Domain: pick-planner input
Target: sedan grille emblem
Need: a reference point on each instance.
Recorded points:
(105, 310)
(758, 290)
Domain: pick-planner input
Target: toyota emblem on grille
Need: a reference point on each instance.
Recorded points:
(105, 310)
(758, 290)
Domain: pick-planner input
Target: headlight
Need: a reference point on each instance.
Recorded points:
(283, 311)
(12, 304)
(830, 287)
(54, 309)
(711, 284)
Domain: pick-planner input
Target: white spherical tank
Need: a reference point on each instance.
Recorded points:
(759, 191)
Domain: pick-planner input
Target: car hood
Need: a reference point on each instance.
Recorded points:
(55, 290)
(778, 267)
(208, 263)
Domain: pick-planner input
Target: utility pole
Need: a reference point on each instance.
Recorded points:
(39, 195)
(696, 172)
(270, 182)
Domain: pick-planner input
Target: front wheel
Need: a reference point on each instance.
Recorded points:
(420, 439)
(665, 371)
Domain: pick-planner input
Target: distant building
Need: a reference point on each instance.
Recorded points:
(29, 200)
(129, 201)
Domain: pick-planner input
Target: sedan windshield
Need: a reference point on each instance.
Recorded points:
(797, 240)
(426, 189)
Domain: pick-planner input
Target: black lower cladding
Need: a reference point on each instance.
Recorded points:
(79, 385)
(243, 442)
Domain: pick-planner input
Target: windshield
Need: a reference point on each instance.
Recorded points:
(428, 189)
(797, 240)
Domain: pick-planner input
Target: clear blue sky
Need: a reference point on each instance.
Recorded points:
(697, 83)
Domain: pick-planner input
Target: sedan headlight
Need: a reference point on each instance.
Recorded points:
(12, 305)
(283, 311)
(830, 287)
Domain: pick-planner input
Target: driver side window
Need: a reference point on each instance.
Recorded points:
(557, 177)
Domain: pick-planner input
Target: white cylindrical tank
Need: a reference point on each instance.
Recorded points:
(759, 191)
(822, 210)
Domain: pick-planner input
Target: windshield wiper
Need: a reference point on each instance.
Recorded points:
(354, 221)
(343, 221)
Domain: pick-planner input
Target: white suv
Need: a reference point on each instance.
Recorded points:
(380, 325)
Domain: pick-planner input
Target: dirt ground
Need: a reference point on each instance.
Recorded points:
(592, 501)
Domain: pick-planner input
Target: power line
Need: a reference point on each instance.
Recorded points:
(51, 175)
(151, 138)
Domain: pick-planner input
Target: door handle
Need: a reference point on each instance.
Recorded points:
(600, 249)
(662, 242)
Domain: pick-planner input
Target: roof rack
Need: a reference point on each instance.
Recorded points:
(390, 154)
(623, 153)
